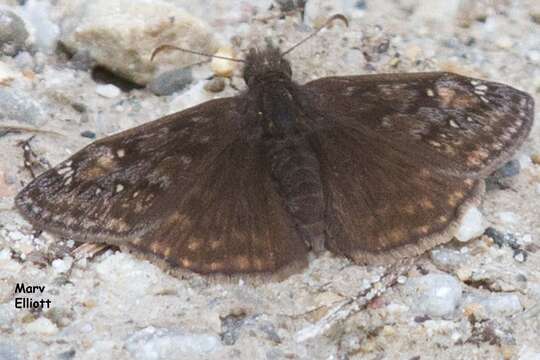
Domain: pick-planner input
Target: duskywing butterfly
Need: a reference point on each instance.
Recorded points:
(371, 167)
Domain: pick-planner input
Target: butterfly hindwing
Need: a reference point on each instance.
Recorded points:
(191, 188)
(382, 204)
(403, 156)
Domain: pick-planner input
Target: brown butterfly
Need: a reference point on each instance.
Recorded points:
(371, 167)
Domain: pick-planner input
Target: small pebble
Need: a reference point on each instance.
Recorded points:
(169, 82)
(476, 310)
(447, 259)
(62, 265)
(46, 30)
(501, 238)
(504, 42)
(7, 74)
(20, 106)
(401, 279)
(222, 67)
(5, 254)
(24, 60)
(511, 168)
(109, 91)
(13, 33)
(520, 255)
(217, 84)
(464, 273)
(88, 134)
(535, 16)
(42, 326)
(501, 304)
(525, 161)
(535, 158)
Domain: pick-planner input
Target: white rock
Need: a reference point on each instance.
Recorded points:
(151, 343)
(508, 217)
(42, 326)
(501, 304)
(525, 161)
(5, 254)
(472, 225)
(43, 31)
(109, 91)
(121, 35)
(395, 308)
(7, 264)
(62, 265)
(436, 295)
(7, 73)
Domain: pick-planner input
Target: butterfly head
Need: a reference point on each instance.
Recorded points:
(264, 65)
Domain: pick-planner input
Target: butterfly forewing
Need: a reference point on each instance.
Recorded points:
(192, 189)
(472, 125)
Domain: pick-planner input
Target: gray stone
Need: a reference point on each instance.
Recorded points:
(436, 295)
(13, 33)
(215, 85)
(448, 259)
(19, 106)
(46, 32)
(511, 168)
(501, 304)
(170, 82)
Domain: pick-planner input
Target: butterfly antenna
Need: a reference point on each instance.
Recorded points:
(172, 47)
(326, 24)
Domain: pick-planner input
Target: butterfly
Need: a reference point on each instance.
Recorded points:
(370, 167)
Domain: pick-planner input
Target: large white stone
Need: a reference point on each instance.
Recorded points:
(436, 295)
(121, 35)
(472, 225)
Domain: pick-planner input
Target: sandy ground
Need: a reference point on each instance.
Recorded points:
(114, 306)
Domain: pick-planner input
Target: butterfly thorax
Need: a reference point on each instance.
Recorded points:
(294, 164)
(263, 66)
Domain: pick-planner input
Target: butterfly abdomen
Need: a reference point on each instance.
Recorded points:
(295, 169)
